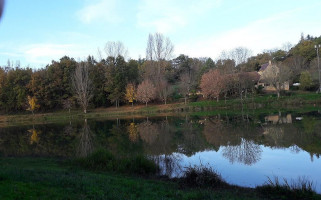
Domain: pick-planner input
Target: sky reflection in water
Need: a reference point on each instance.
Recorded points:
(245, 150)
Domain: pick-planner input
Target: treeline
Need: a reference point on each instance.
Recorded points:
(116, 80)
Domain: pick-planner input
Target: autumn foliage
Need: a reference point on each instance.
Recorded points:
(212, 84)
(146, 92)
(32, 104)
(130, 93)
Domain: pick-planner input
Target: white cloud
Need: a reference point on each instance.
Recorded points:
(166, 15)
(44, 53)
(102, 10)
(268, 33)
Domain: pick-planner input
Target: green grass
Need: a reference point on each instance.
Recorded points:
(290, 101)
(299, 189)
(38, 178)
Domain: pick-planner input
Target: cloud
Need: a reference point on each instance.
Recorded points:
(44, 53)
(259, 35)
(102, 10)
(167, 15)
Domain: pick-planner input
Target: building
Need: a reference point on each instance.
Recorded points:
(266, 86)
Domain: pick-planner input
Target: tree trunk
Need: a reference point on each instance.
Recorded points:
(185, 100)
(165, 101)
(85, 111)
(132, 103)
(278, 94)
(146, 104)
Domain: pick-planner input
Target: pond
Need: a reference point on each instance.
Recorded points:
(244, 149)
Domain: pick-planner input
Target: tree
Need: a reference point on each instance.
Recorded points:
(115, 49)
(165, 90)
(238, 54)
(212, 84)
(277, 75)
(82, 85)
(146, 91)
(305, 80)
(67, 104)
(185, 85)
(32, 104)
(116, 79)
(130, 93)
(159, 47)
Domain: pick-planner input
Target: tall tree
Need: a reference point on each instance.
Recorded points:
(159, 47)
(165, 90)
(115, 49)
(82, 85)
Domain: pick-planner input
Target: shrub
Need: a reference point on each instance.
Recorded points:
(202, 177)
(301, 188)
(103, 160)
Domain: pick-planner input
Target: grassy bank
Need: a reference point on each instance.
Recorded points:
(259, 104)
(39, 178)
(22, 178)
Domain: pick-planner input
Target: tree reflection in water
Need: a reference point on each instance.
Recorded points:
(247, 152)
(85, 145)
(133, 133)
(34, 137)
(148, 131)
(169, 164)
(236, 140)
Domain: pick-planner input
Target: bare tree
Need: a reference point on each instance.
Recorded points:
(82, 84)
(185, 85)
(146, 92)
(165, 90)
(277, 75)
(238, 54)
(159, 47)
(67, 104)
(86, 138)
(246, 152)
(115, 49)
(287, 46)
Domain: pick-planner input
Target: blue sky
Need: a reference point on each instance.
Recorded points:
(38, 31)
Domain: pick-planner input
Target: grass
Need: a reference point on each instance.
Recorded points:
(202, 177)
(265, 103)
(40, 178)
(301, 188)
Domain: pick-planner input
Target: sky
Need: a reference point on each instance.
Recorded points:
(35, 32)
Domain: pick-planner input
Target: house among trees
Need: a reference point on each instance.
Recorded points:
(274, 77)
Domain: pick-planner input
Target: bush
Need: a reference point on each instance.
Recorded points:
(202, 177)
(299, 189)
(103, 160)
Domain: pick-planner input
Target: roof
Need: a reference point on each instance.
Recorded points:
(264, 66)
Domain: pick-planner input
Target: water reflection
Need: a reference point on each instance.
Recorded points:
(247, 152)
(85, 145)
(34, 137)
(148, 131)
(232, 144)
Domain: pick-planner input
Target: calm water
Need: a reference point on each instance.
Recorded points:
(245, 150)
